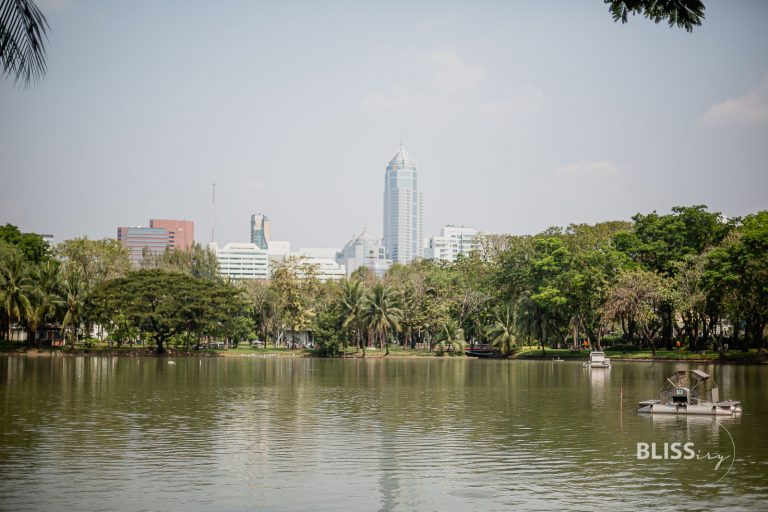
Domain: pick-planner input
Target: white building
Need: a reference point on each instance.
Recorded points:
(242, 261)
(403, 209)
(323, 261)
(278, 250)
(364, 250)
(451, 242)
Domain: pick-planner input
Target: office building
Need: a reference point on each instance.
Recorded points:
(451, 242)
(181, 233)
(403, 210)
(242, 261)
(141, 241)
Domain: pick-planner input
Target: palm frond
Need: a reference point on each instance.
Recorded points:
(685, 14)
(23, 29)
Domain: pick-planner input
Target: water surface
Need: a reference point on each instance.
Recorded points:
(134, 434)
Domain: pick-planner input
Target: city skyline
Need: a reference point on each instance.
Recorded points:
(515, 130)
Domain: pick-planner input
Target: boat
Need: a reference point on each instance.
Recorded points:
(690, 392)
(597, 359)
(483, 351)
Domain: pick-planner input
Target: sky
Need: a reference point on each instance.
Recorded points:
(521, 116)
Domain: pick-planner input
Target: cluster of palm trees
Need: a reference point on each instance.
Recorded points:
(34, 295)
(372, 316)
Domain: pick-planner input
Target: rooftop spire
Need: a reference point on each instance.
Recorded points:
(402, 158)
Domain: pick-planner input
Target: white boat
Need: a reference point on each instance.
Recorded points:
(690, 392)
(597, 359)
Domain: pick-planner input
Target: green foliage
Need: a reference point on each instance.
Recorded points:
(32, 246)
(14, 291)
(196, 261)
(94, 261)
(685, 14)
(381, 314)
(685, 276)
(163, 305)
(450, 337)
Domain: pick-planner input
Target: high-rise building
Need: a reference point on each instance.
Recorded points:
(403, 210)
(241, 261)
(139, 240)
(260, 230)
(181, 233)
(452, 242)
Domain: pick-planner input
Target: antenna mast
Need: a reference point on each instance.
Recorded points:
(213, 213)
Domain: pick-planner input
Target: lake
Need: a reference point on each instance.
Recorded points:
(133, 434)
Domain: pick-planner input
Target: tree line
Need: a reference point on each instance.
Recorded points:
(690, 277)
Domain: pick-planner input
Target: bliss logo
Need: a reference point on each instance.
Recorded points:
(671, 451)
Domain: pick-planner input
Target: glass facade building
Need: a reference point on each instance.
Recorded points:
(403, 210)
(260, 230)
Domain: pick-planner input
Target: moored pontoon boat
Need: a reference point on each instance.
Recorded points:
(597, 359)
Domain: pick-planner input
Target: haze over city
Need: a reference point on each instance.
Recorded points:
(519, 116)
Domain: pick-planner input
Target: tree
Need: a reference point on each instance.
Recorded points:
(688, 296)
(45, 298)
(450, 337)
(74, 299)
(296, 287)
(351, 302)
(196, 261)
(685, 14)
(658, 242)
(264, 307)
(502, 331)
(637, 296)
(381, 314)
(14, 291)
(94, 261)
(22, 30)
(32, 246)
(741, 264)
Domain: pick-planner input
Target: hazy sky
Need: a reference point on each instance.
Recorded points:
(520, 115)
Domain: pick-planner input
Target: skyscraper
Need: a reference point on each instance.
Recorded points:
(403, 211)
(260, 230)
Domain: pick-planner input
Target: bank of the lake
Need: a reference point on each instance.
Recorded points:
(524, 353)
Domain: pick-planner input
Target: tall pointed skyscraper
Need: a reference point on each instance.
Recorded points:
(403, 211)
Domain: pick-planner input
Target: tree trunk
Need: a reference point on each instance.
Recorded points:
(73, 345)
(575, 336)
(666, 330)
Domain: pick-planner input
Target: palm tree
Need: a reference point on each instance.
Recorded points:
(451, 336)
(14, 284)
(351, 303)
(44, 296)
(22, 30)
(502, 332)
(381, 314)
(73, 302)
